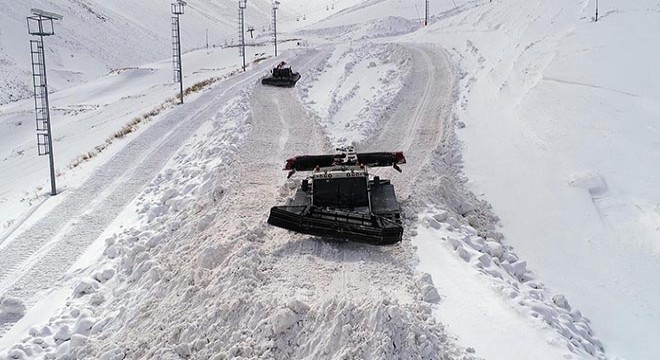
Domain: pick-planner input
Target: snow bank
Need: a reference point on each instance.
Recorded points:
(513, 284)
(127, 256)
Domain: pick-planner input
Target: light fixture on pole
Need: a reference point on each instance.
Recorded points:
(40, 24)
(177, 10)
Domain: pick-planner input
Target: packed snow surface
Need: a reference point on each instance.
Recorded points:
(530, 198)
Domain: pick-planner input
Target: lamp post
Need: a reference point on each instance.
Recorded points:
(40, 24)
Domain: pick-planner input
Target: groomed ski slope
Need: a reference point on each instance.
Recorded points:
(183, 265)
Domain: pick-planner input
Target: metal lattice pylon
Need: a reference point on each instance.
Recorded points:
(177, 10)
(40, 24)
(241, 29)
(40, 95)
(276, 5)
(241, 34)
(176, 47)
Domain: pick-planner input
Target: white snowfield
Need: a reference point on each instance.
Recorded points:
(529, 198)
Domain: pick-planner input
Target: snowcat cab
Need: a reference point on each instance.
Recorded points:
(339, 200)
(281, 75)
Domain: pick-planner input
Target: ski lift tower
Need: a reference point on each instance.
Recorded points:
(40, 24)
(177, 9)
(242, 4)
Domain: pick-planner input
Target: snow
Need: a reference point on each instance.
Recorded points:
(469, 303)
(529, 198)
(352, 95)
(236, 269)
(86, 119)
(559, 138)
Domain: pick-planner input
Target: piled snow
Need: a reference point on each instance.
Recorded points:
(352, 91)
(517, 291)
(126, 255)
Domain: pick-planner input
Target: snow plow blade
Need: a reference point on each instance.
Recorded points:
(374, 159)
(351, 226)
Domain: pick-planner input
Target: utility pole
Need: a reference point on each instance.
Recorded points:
(426, 16)
(40, 24)
(242, 4)
(596, 10)
(276, 5)
(177, 9)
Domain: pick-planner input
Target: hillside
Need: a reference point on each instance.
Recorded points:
(98, 36)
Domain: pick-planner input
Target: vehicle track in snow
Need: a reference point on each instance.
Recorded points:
(38, 256)
(418, 125)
